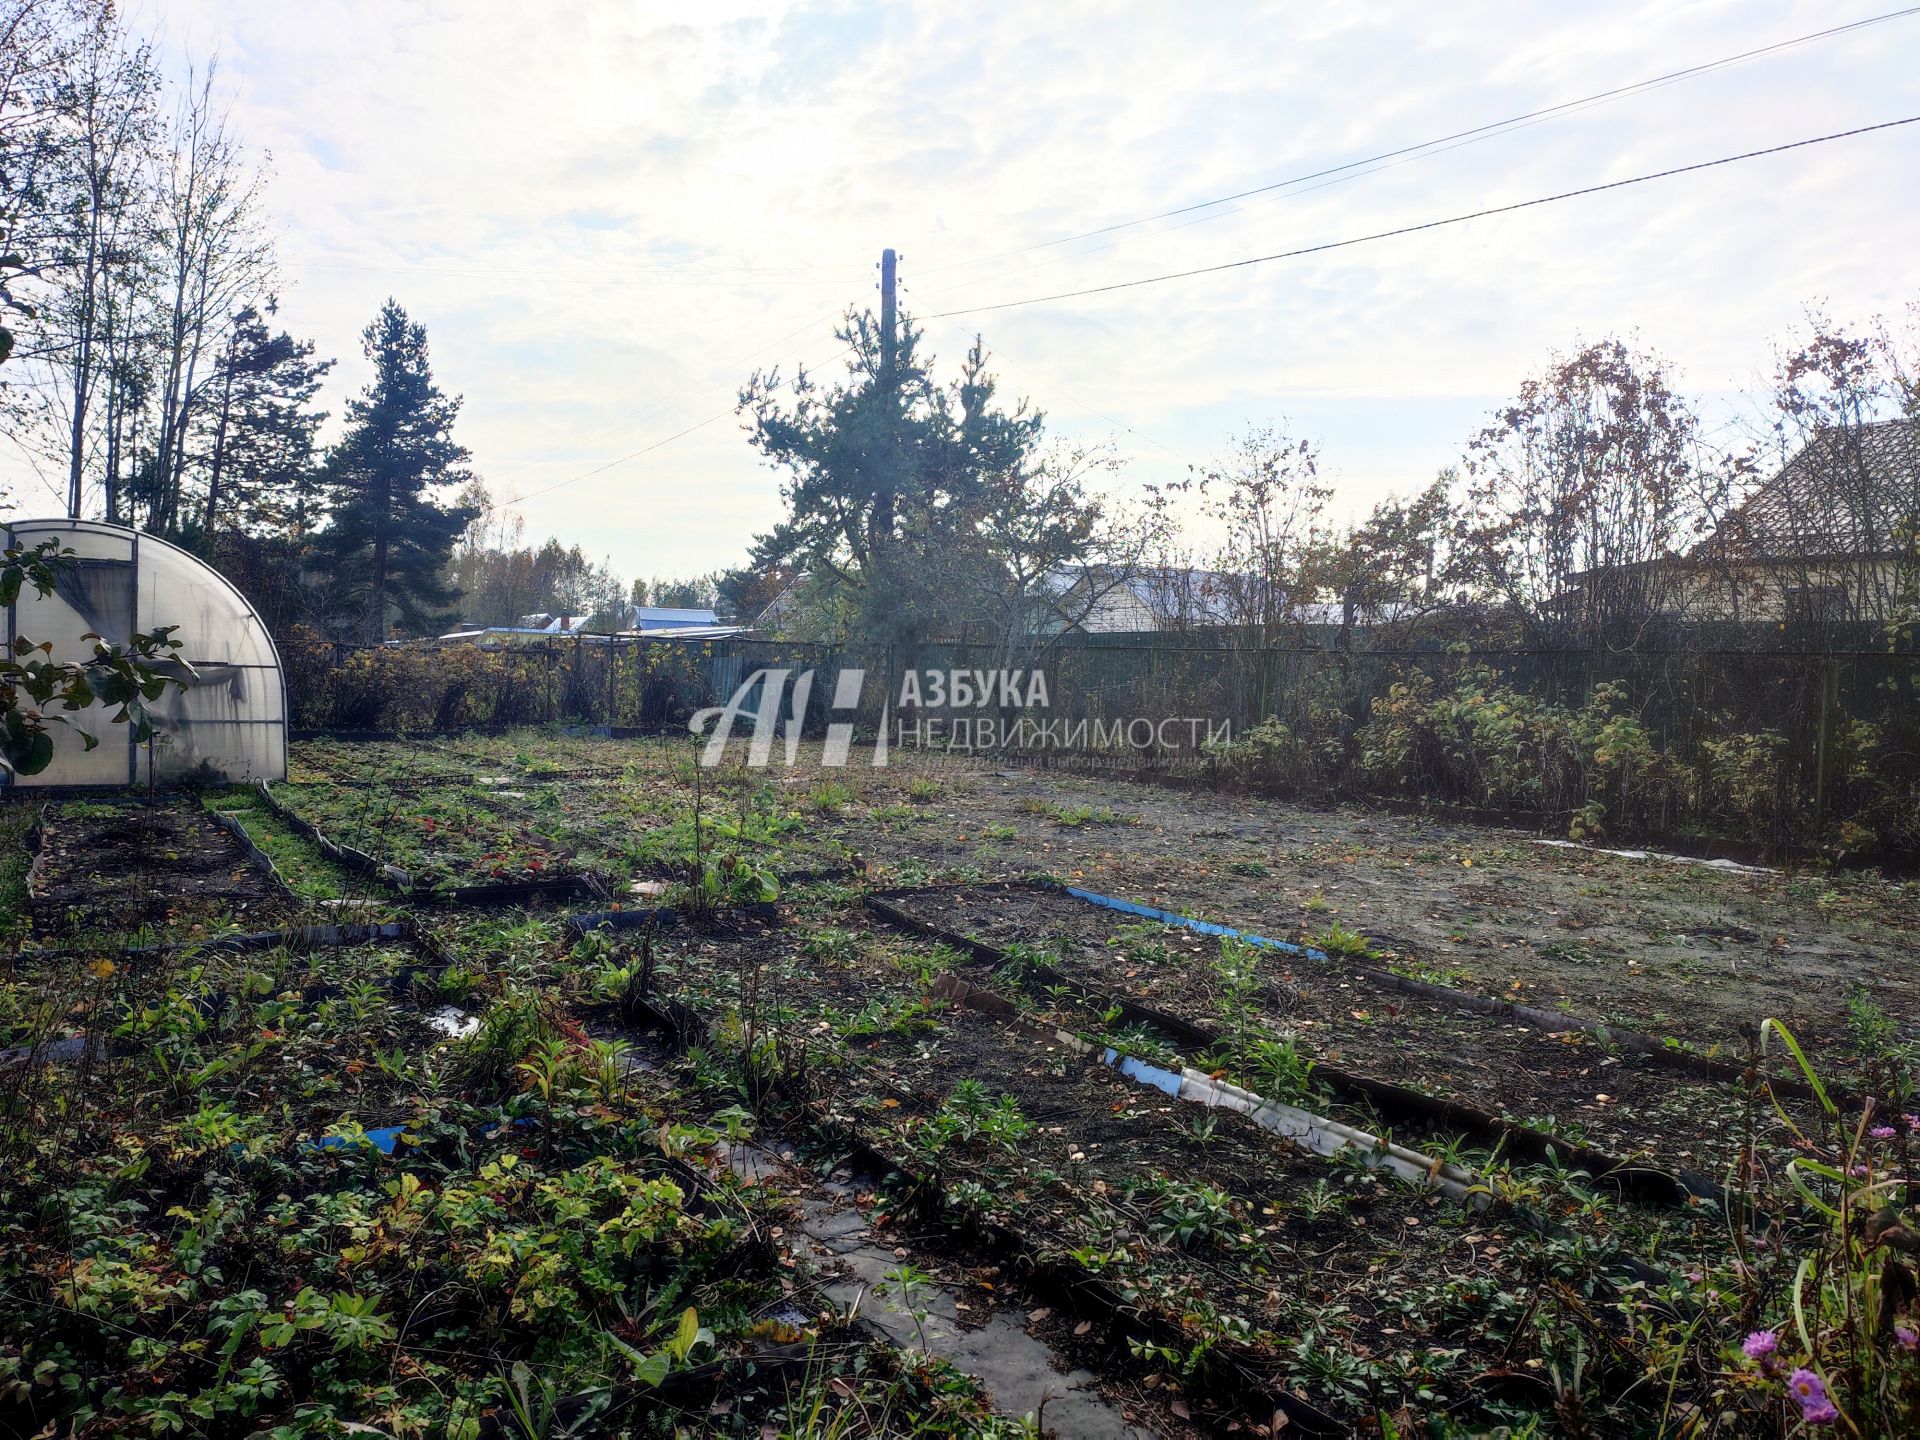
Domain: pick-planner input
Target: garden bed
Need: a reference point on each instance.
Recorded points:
(126, 869)
(1572, 1087)
(1212, 1228)
(419, 1241)
(454, 836)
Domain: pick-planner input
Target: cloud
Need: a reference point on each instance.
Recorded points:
(606, 215)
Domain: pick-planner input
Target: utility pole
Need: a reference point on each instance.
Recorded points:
(888, 308)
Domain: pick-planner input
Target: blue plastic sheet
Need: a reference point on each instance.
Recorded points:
(1203, 927)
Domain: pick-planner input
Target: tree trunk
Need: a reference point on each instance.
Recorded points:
(219, 449)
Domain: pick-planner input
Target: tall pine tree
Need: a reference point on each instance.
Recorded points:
(262, 475)
(389, 544)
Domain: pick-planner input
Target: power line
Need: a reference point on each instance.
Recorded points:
(1452, 141)
(756, 280)
(1425, 225)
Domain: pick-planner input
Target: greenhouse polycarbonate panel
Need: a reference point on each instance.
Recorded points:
(227, 724)
(215, 623)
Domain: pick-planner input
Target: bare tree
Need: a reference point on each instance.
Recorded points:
(216, 258)
(1395, 568)
(1038, 554)
(86, 212)
(1260, 511)
(1580, 493)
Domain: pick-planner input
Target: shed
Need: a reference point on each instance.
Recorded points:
(230, 722)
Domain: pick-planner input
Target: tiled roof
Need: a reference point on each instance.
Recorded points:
(1845, 494)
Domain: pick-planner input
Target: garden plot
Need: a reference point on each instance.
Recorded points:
(615, 833)
(1695, 954)
(283, 1197)
(314, 881)
(394, 763)
(441, 837)
(135, 872)
(1245, 997)
(1293, 1271)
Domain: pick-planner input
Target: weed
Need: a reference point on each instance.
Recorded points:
(830, 797)
(1336, 939)
(970, 1114)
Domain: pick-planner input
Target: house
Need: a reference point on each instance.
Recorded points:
(651, 618)
(1834, 536)
(1103, 600)
(550, 624)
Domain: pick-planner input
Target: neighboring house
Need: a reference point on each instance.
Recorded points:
(784, 609)
(1834, 536)
(649, 620)
(1103, 601)
(664, 617)
(549, 624)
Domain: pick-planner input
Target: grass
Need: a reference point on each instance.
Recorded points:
(1336, 939)
(1075, 817)
(301, 863)
(17, 819)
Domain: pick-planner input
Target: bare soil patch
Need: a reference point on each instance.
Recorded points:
(115, 870)
(1569, 1085)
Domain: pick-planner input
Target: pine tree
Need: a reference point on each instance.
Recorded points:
(261, 456)
(889, 474)
(389, 545)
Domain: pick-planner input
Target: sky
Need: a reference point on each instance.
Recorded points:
(608, 214)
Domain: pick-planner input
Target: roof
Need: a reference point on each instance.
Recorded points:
(1167, 594)
(688, 632)
(547, 623)
(661, 617)
(489, 634)
(1845, 494)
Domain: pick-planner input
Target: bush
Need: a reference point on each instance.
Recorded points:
(452, 687)
(1487, 744)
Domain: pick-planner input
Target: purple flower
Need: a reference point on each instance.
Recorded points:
(1811, 1391)
(1913, 1123)
(1760, 1344)
(1882, 1132)
(1907, 1336)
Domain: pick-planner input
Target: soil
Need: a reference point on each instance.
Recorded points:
(1696, 952)
(1310, 1237)
(165, 866)
(1569, 1085)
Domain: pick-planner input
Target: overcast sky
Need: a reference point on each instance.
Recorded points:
(607, 213)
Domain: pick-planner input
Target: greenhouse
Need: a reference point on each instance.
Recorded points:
(228, 723)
